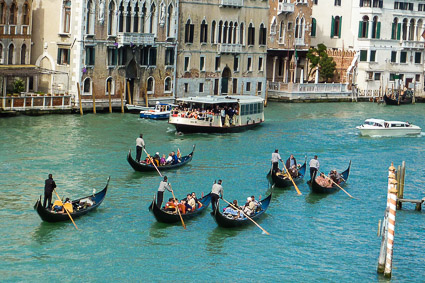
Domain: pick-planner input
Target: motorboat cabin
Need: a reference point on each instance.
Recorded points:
(216, 114)
(161, 111)
(379, 127)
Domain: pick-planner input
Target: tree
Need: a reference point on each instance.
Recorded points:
(319, 58)
(18, 86)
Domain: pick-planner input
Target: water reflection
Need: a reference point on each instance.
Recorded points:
(217, 237)
(45, 232)
(160, 230)
(313, 198)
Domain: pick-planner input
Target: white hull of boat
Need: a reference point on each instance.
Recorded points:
(391, 132)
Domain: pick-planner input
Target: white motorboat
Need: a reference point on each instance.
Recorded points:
(379, 127)
(137, 108)
(161, 111)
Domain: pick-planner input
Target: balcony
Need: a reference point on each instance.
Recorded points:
(231, 3)
(285, 8)
(299, 42)
(229, 48)
(128, 38)
(412, 44)
(25, 30)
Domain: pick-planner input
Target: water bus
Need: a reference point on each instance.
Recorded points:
(217, 114)
(379, 127)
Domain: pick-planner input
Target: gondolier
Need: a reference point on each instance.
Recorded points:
(216, 193)
(275, 160)
(140, 145)
(314, 166)
(49, 186)
(160, 195)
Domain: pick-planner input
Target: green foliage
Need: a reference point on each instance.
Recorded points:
(319, 58)
(18, 86)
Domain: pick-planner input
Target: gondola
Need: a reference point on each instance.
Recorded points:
(226, 222)
(49, 216)
(316, 188)
(167, 217)
(143, 167)
(282, 182)
(390, 101)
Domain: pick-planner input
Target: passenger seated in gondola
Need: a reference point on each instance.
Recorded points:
(197, 202)
(175, 158)
(169, 159)
(257, 203)
(182, 206)
(323, 181)
(156, 158)
(162, 160)
(335, 176)
(291, 165)
(85, 202)
(250, 207)
(170, 205)
(191, 202)
(231, 211)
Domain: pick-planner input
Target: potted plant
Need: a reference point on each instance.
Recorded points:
(18, 87)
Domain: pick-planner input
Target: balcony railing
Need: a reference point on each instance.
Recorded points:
(412, 44)
(299, 42)
(128, 38)
(231, 3)
(229, 48)
(25, 29)
(285, 8)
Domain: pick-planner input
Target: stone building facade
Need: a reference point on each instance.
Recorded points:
(289, 40)
(222, 47)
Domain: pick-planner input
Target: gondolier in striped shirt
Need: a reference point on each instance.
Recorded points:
(314, 166)
(216, 192)
(160, 195)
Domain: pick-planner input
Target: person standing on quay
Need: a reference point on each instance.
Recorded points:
(275, 160)
(314, 166)
(140, 145)
(49, 186)
(160, 195)
(216, 193)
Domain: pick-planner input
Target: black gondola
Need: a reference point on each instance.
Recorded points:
(282, 182)
(403, 100)
(316, 188)
(49, 216)
(143, 167)
(226, 222)
(168, 217)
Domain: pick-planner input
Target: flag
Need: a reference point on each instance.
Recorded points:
(179, 155)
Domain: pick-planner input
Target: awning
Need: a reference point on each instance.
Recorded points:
(25, 71)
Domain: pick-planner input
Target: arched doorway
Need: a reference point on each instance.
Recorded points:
(227, 74)
(130, 76)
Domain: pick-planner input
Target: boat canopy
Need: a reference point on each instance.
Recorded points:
(241, 99)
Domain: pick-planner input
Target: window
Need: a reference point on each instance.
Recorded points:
(11, 57)
(336, 26)
(313, 27)
(363, 27)
(299, 28)
(241, 34)
(136, 15)
(369, 76)
(204, 32)
(167, 85)
(2, 13)
(150, 85)
(248, 86)
(377, 77)
(404, 29)
(262, 35)
(376, 28)
(403, 56)
(63, 56)
(23, 54)
(365, 3)
(186, 64)
(147, 56)
(395, 29)
(235, 85)
(315, 2)
(90, 56)
(217, 63)
(289, 26)
(201, 87)
(110, 86)
(417, 77)
(418, 57)
(372, 57)
(213, 40)
(393, 56)
(170, 22)
(25, 14)
(111, 18)
(363, 55)
(259, 86)
(87, 86)
(377, 3)
(188, 32)
(273, 27)
(1, 52)
(251, 34)
(121, 18)
(128, 18)
(392, 77)
(220, 31)
(13, 13)
(282, 32)
(152, 56)
(337, 3)
(186, 87)
(235, 63)
(153, 20)
(112, 56)
(122, 56)
(249, 64)
(90, 17)
(421, 7)
(260, 63)
(169, 56)
(66, 16)
(202, 63)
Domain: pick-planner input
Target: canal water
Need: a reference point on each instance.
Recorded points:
(313, 238)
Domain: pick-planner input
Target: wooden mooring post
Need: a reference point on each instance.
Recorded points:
(109, 96)
(401, 173)
(79, 98)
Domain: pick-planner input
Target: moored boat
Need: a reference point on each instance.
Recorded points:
(51, 216)
(395, 101)
(316, 188)
(135, 109)
(143, 167)
(217, 114)
(161, 111)
(280, 180)
(229, 222)
(169, 217)
(379, 127)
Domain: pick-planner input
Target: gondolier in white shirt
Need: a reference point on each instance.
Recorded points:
(275, 160)
(216, 192)
(140, 145)
(162, 187)
(314, 166)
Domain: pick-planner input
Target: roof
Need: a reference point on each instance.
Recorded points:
(25, 71)
(223, 99)
(382, 121)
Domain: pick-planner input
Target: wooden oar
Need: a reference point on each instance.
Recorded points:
(66, 209)
(178, 210)
(237, 208)
(290, 178)
(153, 163)
(338, 185)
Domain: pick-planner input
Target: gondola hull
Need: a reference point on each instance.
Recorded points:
(49, 216)
(226, 222)
(390, 101)
(316, 188)
(166, 217)
(281, 182)
(142, 167)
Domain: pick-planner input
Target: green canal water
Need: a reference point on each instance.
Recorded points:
(313, 238)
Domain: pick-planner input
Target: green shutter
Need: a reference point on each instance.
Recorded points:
(360, 29)
(340, 26)
(94, 57)
(87, 56)
(398, 30)
(393, 31)
(59, 55)
(332, 27)
(313, 27)
(115, 57)
(378, 30)
(367, 30)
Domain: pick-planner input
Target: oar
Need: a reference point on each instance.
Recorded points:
(153, 163)
(231, 204)
(178, 210)
(339, 186)
(66, 209)
(290, 178)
